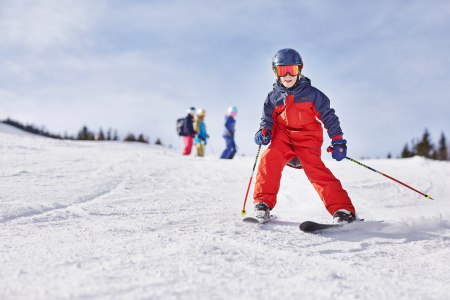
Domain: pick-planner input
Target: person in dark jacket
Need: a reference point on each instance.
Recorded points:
(188, 139)
(230, 123)
(291, 123)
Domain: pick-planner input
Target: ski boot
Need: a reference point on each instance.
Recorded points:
(344, 216)
(262, 212)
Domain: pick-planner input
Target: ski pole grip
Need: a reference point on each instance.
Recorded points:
(264, 131)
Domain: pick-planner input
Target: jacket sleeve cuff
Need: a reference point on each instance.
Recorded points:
(338, 137)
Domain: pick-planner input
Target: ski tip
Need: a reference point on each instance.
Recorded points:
(251, 220)
(310, 226)
(306, 226)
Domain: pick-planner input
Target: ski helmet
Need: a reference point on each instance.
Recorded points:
(201, 112)
(232, 110)
(286, 57)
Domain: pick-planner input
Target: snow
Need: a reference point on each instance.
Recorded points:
(111, 220)
(4, 128)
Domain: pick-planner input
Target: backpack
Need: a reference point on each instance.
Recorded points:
(180, 127)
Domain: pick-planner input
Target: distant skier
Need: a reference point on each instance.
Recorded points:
(230, 123)
(290, 121)
(201, 136)
(188, 131)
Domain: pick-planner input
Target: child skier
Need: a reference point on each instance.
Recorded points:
(290, 122)
(228, 135)
(200, 128)
(188, 131)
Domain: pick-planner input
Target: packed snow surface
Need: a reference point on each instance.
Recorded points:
(110, 220)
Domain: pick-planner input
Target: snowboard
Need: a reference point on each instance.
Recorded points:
(310, 226)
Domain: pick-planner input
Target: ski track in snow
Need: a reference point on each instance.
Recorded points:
(91, 220)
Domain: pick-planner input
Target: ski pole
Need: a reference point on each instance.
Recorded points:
(330, 149)
(244, 212)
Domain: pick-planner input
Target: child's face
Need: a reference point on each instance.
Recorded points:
(288, 81)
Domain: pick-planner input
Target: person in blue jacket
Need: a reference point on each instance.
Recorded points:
(201, 136)
(230, 123)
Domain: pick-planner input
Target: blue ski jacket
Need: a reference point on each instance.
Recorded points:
(201, 135)
(230, 124)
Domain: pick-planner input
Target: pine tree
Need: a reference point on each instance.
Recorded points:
(406, 152)
(448, 154)
(413, 147)
(158, 142)
(434, 154)
(141, 139)
(442, 152)
(130, 138)
(101, 135)
(424, 147)
(84, 134)
(109, 134)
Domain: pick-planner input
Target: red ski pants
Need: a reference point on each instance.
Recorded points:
(188, 142)
(278, 154)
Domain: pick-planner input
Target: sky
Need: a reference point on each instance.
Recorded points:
(136, 66)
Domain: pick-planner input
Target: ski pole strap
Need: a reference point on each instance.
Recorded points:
(264, 131)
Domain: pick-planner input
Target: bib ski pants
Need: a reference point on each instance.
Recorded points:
(302, 141)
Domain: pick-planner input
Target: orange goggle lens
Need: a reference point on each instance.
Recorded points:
(282, 71)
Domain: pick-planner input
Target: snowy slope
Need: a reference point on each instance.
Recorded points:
(5, 128)
(91, 220)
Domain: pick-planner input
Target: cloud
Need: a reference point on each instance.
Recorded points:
(40, 25)
(137, 65)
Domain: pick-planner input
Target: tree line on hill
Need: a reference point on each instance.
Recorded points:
(422, 147)
(426, 148)
(85, 134)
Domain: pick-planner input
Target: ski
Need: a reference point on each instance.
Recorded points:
(310, 226)
(257, 220)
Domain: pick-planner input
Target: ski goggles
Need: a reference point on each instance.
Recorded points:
(282, 71)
